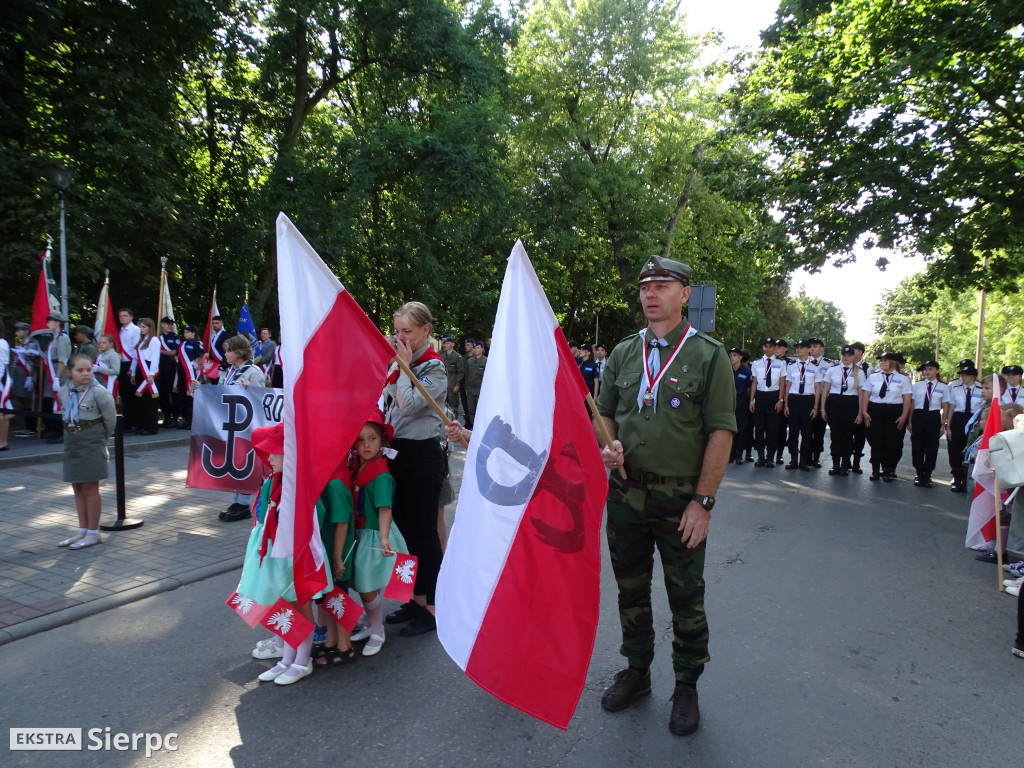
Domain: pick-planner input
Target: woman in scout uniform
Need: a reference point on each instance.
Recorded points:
(885, 403)
(669, 402)
(964, 400)
(418, 467)
(840, 391)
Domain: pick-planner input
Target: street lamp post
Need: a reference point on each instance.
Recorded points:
(61, 178)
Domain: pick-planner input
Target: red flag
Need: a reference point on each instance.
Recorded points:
(247, 608)
(209, 367)
(287, 623)
(338, 367)
(343, 608)
(105, 322)
(981, 525)
(542, 517)
(403, 578)
(41, 305)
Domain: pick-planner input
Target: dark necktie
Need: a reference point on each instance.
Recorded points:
(968, 392)
(802, 365)
(883, 389)
(767, 372)
(928, 396)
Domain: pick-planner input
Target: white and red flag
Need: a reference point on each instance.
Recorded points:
(248, 610)
(105, 322)
(981, 525)
(329, 390)
(521, 575)
(208, 333)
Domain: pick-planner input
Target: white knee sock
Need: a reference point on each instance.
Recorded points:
(375, 614)
(289, 655)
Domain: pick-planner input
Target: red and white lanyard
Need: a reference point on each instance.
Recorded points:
(649, 389)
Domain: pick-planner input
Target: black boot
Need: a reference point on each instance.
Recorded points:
(875, 474)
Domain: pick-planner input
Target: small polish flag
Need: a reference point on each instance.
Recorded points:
(287, 623)
(250, 612)
(403, 578)
(981, 524)
(343, 608)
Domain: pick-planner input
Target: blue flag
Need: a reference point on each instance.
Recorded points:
(245, 323)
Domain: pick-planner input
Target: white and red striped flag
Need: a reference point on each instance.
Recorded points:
(521, 575)
(208, 333)
(981, 525)
(329, 390)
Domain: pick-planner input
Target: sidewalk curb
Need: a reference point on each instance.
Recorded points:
(130, 449)
(93, 607)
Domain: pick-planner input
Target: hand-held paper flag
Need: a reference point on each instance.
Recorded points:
(537, 513)
(343, 608)
(287, 623)
(247, 608)
(981, 525)
(403, 578)
(322, 377)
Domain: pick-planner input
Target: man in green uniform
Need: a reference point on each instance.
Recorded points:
(474, 379)
(453, 365)
(669, 403)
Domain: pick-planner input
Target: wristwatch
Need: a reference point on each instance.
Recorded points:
(708, 502)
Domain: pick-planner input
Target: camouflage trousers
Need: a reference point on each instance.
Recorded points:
(640, 517)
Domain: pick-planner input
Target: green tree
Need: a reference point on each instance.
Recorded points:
(820, 319)
(899, 125)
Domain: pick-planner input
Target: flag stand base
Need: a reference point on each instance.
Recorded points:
(121, 524)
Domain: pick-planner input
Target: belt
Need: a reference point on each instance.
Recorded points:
(651, 478)
(83, 425)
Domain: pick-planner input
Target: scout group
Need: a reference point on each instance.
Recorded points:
(785, 402)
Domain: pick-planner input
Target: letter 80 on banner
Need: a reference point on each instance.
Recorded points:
(273, 406)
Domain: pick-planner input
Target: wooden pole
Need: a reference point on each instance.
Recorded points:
(981, 320)
(999, 532)
(603, 429)
(433, 404)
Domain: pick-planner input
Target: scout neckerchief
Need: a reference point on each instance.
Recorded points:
(270, 524)
(148, 377)
(362, 478)
(648, 393)
(236, 371)
(75, 397)
(428, 354)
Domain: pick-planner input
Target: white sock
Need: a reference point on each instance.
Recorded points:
(91, 532)
(375, 614)
(303, 652)
(289, 655)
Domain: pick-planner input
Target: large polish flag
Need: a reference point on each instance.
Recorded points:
(518, 593)
(981, 525)
(329, 391)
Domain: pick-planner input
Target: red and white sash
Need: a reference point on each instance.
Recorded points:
(187, 366)
(213, 348)
(148, 377)
(5, 393)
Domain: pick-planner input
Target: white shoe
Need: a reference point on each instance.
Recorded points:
(268, 649)
(274, 672)
(1013, 591)
(360, 633)
(68, 542)
(89, 540)
(1013, 582)
(295, 673)
(373, 645)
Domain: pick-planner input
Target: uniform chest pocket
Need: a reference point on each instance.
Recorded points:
(688, 387)
(627, 381)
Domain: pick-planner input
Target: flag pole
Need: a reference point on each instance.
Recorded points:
(163, 280)
(433, 404)
(999, 530)
(606, 436)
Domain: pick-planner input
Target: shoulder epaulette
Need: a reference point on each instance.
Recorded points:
(707, 338)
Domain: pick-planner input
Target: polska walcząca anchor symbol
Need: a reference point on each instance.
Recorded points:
(232, 426)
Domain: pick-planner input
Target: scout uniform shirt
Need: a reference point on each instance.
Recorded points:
(958, 397)
(934, 397)
(801, 376)
(695, 397)
(1012, 395)
(896, 386)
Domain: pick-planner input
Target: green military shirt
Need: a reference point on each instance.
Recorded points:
(692, 402)
(474, 375)
(453, 364)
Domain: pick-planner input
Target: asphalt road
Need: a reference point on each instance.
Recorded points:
(849, 627)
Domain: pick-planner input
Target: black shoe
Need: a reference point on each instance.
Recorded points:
(918, 482)
(792, 465)
(749, 458)
(805, 468)
(422, 624)
(835, 471)
(739, 461)
(887, 478)
(816, 464)
(958, 486)
(407, 612)
(769, 464)
(874, 476)
(926, 481)
(629, 685)
(238, 514)
(759, 463)
(234, 509)
(844, 471)
(986, 557)
(856, 468)
(685, 712)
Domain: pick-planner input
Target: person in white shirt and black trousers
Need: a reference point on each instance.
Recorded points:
(800, 404)
(885, 401)
(840, 391)
(929, 395)
(766, 403)
(1012, 394)
(964, 399)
